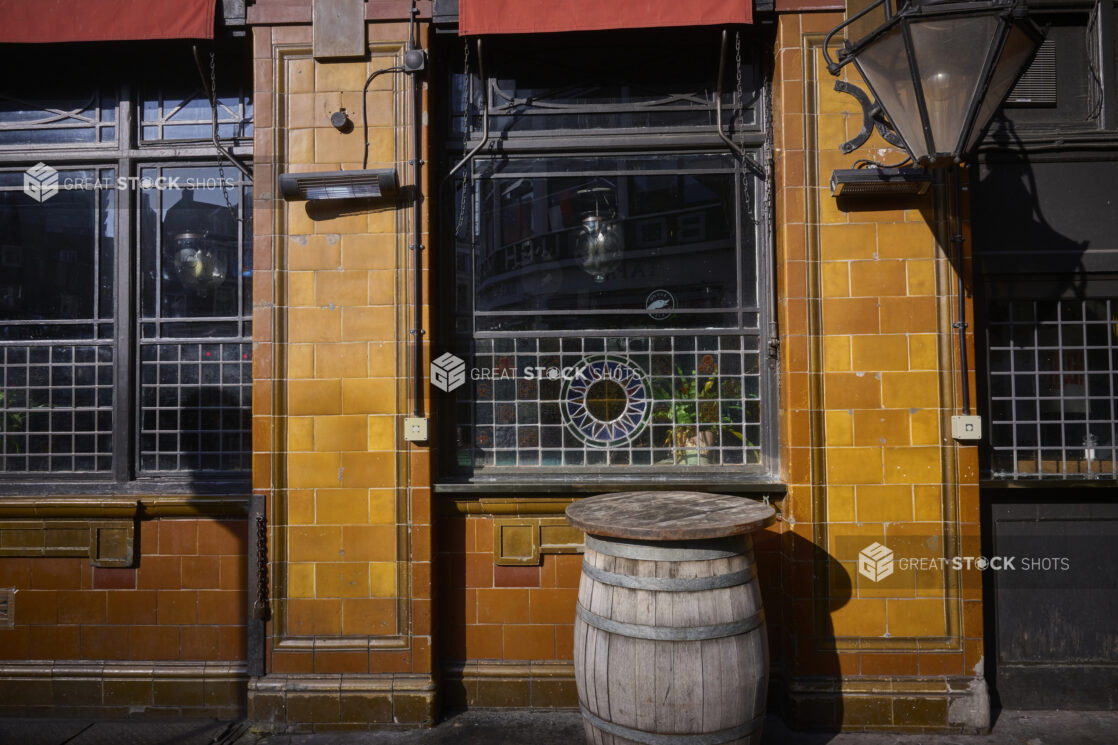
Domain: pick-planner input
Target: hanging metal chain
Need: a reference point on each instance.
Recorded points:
(220, 161)
(739, 123)
(465, 137)
(262, 608)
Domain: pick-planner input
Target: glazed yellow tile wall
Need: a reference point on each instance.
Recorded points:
(865, 432)
(343, 392)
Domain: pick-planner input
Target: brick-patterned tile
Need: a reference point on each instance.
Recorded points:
(154, 642)
(518, 576)
(160, 573)
(222, 536)
(177, 607)
(200, 642)
(82, 606)
(135, 607)
(56, 574)
(105, 578)
(105, 642)
(201, 572)
(178, 537)
(221, 607)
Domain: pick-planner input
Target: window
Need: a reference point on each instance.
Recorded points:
(1053, 388)
(609, 271)
(125, 295)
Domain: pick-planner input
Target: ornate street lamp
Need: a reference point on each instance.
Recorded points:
(938, 70)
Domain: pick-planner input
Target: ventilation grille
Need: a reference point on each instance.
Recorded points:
(1037, 87)
(7, 607)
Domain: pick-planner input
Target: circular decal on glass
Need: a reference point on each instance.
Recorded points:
(606, 402)
(659, 305)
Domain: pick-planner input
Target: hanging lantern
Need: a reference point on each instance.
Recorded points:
(599, 243)
(197, 261)
(941, 68)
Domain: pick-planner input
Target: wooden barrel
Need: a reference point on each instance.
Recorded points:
(670, 642)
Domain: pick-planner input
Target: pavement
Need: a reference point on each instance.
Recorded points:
(521, 727)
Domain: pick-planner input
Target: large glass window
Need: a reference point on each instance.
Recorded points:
(608, 278)
(125, 275)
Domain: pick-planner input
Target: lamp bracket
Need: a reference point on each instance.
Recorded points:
(872, 116)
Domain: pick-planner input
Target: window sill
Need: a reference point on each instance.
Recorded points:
(1051, 482)
(597, 484)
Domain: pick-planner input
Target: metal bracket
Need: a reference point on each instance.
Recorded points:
(872, 116)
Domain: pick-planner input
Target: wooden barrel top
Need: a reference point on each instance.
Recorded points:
(669, 515)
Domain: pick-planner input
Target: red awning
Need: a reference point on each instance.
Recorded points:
(476, 17)
(43, 21)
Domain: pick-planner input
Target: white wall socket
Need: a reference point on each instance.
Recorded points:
(415, 428)
(966, 428)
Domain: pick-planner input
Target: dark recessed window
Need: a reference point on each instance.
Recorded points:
(607, 269)
(125, 275)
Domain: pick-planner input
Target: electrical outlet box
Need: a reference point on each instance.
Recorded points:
(966, 428)
(415, 428)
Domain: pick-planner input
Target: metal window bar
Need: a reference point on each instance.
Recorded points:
(1054, 390)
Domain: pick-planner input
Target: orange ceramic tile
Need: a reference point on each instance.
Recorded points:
(881, 427)
(104, 642)
(916, 617)
(368, 469)
(840, 504)
(343, 360)
(341, 506)
(382, 579)
(905, 390)
(368, 542)
(300, 580)
(502, 605)
(908, 315)
(154, 643)
(889, 663)
(308, 470)
(485, 642)
(850, 315)
(370, 250)
(178, 537)
(906, 240)
(836, 353)
(847, 242)
(913, 465)
(308, 397)
(199, 643)
(200, 572)
(314, 324)
(854, 466)
(371, 396)
(307, 617)
(530, 642)
(834, 278)
(341, 433)
(55, 643)
(860, 617)
(300, 506)
(553, 606)
(879, 352)
(839, 429)
(925, 427)
(372, 616)
(341, 580)
(382, 506)
(159, 572)
(851, 390)
(883, 503)
(314, 543)
(314, 253)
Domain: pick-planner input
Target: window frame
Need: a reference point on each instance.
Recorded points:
(755, 139)
(127, 155)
